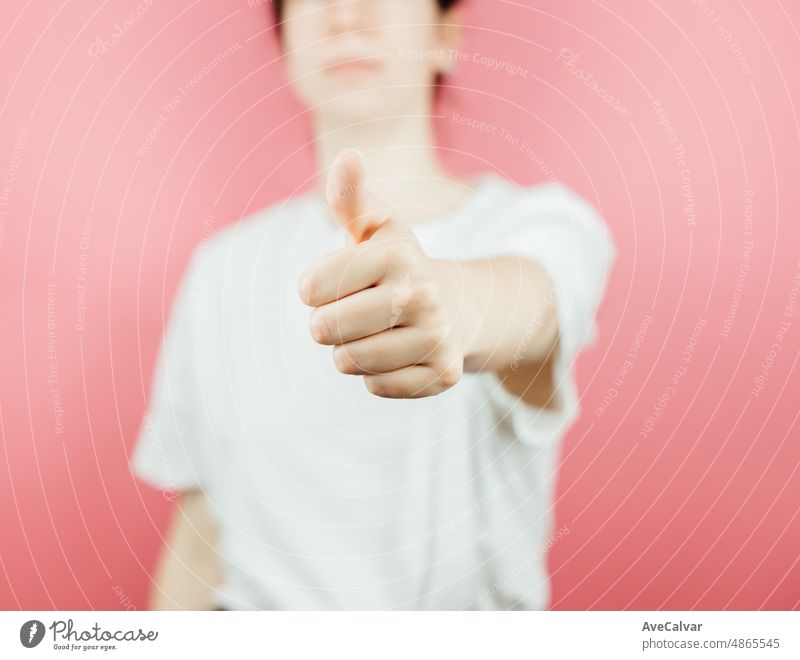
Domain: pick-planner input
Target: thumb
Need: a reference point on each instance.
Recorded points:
(355, 207)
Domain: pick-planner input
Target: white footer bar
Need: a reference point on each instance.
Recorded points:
(389, 635)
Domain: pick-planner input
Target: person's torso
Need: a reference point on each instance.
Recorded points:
(330, 497)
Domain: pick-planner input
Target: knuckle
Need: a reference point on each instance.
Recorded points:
(433, 339)
(401, 254)
(450, 376)
(425, 296)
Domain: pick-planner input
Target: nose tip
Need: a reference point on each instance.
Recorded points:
(346, 15)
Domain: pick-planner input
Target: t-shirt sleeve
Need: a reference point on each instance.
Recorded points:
(565, 234)
(168, 453)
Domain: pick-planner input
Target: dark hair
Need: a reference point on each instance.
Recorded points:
(444, 5)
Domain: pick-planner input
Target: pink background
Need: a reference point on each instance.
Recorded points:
(702, 513)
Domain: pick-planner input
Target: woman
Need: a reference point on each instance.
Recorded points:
(362, 389)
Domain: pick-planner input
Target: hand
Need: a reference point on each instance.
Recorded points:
(392, 314)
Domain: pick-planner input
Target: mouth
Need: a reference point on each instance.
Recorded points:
(356, 65)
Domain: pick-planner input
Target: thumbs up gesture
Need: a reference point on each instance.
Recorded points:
(391, 313)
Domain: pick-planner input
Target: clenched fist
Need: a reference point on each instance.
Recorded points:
(392, 314)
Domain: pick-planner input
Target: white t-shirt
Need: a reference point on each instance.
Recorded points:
(328, 497)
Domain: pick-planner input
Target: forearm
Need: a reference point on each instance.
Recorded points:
(507, 311)
(188, 568)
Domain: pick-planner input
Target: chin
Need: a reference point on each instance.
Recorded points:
(353, 104)
(352, 98)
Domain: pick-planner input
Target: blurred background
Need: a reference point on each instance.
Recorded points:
(132, 129)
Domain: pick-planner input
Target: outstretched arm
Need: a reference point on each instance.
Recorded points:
(511, 324)
(411, 325)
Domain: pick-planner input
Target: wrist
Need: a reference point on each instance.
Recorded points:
(467, 320)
